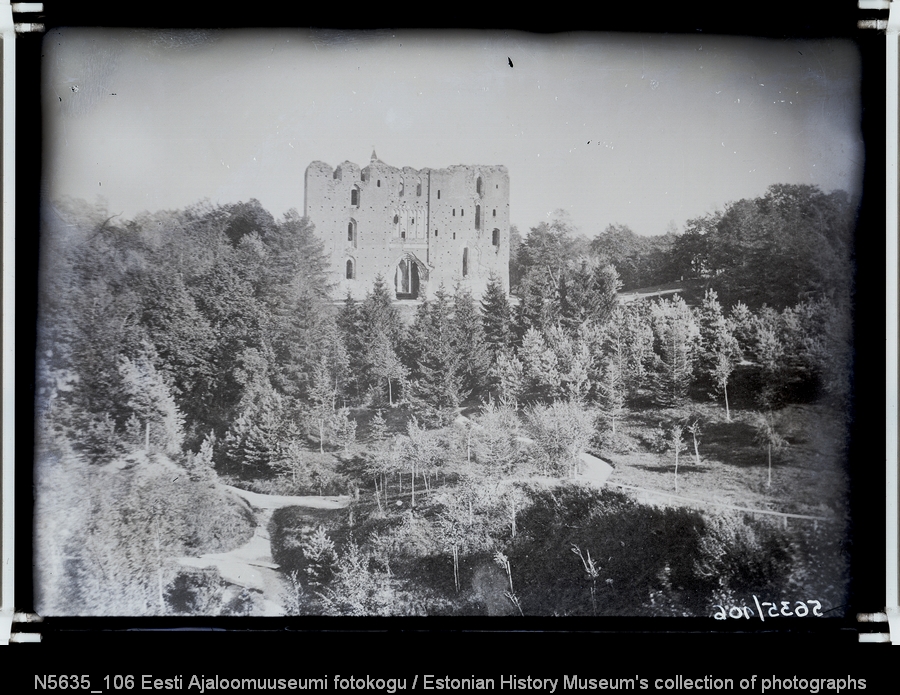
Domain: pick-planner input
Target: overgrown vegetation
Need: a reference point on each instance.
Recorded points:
(186, 349)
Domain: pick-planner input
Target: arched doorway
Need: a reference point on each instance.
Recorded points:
(406, 279)
(409, 274)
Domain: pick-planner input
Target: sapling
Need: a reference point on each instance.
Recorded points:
(694, 429)
(677, 432)
(768, 436)
(503, 561)
(592, 571)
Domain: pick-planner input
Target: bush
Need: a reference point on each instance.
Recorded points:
(744, 555)
(122, 530)
(639, 553)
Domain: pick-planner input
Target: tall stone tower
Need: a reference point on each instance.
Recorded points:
(418, 229)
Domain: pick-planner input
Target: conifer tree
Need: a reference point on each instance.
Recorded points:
(433, 359)
(676, 332)
(612, 393)
(540, 366)
(474, 357)
(381, 338)
(496, 317)
(588, 291)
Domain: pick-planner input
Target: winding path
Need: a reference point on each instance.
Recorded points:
(251, 566)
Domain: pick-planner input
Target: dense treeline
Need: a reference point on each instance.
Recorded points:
(793, 243)
(206, 339)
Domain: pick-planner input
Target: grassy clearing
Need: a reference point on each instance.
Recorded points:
(578, 550)
(808, 475)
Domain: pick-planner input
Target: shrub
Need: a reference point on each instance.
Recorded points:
(744, 555)
(639, 553)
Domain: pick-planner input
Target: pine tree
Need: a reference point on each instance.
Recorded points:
(381, 332)
(509, 376)
(588, 291)
(433, 359)
(496, 318)
(540, 366)
(350, 327)
(676, 333)
(474, 357)
(612, 393)
(150, 402)
(538, 300)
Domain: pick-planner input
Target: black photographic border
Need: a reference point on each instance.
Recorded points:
(867, 539)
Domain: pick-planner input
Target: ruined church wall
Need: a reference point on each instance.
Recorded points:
(400, 213)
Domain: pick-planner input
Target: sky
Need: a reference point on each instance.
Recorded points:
(648, 131)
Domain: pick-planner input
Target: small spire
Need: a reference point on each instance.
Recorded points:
(374, 156)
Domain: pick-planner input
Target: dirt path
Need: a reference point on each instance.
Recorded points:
(251, 566)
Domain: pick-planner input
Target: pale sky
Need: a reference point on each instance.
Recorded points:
(631, 129)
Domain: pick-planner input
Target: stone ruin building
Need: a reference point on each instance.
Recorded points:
(418, 229)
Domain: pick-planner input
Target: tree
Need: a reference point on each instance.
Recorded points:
(470, 343)
(496, 439)
(150, 403)
(434, 360)
(496, 318)
(421, 453)
(384, 366)
(538, 300)
(540, 366)
(573, 360)
(718, 352)
(792, 243)
(612, 393)
(588, 292)
(769, 353)
(356, 589)
(322, 395)
(676, 434)
(562, 431)
(640, 261)
(768, 436)
(675, 333)
(509, 376)
(695, 430)
(349, 323)
(381, 332)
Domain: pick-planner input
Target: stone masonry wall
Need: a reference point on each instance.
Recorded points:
(451, 224)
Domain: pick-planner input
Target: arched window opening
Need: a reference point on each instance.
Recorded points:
(454, 212)
(495, 237)
(350, 273)
(378, 183)
(354, 197)
(462, 212)
(495, 212)
(350, 232)
(465, 262)
(401, 187)
(396, 219)
(477, 217)
(418, 189)
(478, 185)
